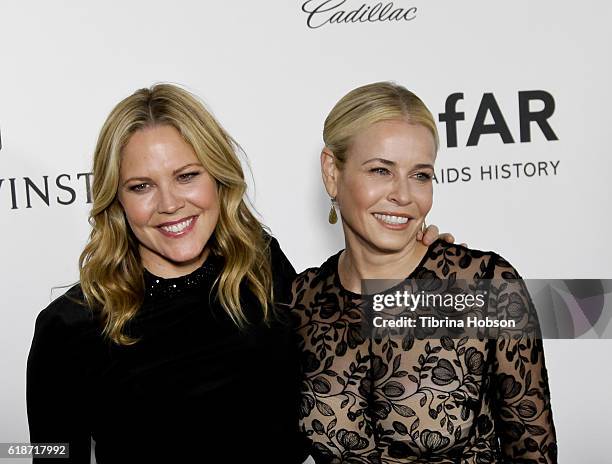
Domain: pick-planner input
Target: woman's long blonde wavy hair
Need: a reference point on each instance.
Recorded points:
(111, 272)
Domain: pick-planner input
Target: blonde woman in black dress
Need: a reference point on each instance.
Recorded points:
(382, 397)
(169, 349)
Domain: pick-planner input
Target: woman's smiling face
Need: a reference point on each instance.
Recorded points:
(384, 190)
(170, 200)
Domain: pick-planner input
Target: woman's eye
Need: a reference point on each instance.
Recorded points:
(423, 176)
(139, 187)
(187, 176)
(380, 171)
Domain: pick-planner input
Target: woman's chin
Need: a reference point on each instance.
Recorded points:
(392, 246)
(188, 258)
(393, 242)
(184, 258)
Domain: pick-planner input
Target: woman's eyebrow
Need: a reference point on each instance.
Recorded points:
(176, 171)
(139, 178)
(423, 166)
(380, 160)
(392, 163)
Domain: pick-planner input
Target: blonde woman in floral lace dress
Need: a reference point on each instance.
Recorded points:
(382, 397)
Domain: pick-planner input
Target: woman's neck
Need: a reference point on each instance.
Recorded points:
(359, 262)
(166, 269)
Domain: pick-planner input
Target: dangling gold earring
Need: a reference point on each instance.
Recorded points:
(333, 216)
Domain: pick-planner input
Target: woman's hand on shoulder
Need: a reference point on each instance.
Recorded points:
(432, 233)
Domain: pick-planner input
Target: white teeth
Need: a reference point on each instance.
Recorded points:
(176, 228)
(391, 219)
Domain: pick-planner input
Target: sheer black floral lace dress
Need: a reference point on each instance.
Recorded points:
(386, 398)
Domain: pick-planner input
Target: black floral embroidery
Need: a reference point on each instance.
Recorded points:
(395, 398)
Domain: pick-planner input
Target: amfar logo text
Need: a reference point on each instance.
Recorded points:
(489, 107)
(322, 12)
(497, 127)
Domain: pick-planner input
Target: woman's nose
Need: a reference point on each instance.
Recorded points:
(170, 200)
(400, 192)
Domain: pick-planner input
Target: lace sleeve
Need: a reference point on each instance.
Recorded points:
(523, 414)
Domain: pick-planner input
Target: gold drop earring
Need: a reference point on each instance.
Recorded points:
(333, 216)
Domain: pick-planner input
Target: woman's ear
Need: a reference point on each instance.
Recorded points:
(329, 172)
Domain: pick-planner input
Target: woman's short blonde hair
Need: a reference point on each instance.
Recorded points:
(369, 104)
(111, 272)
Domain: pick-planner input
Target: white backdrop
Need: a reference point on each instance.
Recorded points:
(271, 79)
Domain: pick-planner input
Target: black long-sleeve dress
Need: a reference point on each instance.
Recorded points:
(195, 388)
(396, 397)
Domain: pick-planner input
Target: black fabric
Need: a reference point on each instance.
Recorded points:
(195, 388)
(397, 398)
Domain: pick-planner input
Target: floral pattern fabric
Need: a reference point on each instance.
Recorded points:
(406, 398)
